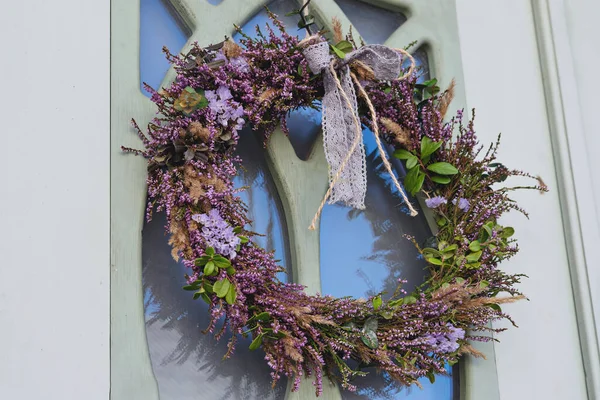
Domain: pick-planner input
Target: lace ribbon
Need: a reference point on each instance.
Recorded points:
(342, 131)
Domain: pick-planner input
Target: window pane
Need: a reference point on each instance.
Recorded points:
(158, 28)
(187, 363)
(375, 24)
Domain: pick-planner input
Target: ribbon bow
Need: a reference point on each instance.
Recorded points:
(342, 131)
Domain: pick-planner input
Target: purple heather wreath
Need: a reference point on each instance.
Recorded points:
(191, 164)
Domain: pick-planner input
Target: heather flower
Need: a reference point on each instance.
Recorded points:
(463, 204)
(435, 202)
(217, 233)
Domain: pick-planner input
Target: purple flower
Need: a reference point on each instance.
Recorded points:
(447, 342)
(239, 63)
(435, 202)
(217, 233)
(225, 108)
(463, 204)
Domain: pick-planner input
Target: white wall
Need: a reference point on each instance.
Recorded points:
(542, 359)
(583, 34)
(54, 200)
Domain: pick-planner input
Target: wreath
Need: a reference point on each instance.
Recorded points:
(191, 163)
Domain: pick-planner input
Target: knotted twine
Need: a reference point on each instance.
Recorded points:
(342, 131)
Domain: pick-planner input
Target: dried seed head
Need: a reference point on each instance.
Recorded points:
(446, 98)
(337, 30)
(231, 49)
(199, 131)
(399, 134)
(266, 95)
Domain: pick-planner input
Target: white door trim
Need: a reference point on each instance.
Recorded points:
(579, 217)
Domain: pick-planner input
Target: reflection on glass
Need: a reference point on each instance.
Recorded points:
(374, 24)
(364, 252)
(158, 28)
(187, 363)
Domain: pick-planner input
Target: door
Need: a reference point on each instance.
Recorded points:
(157, 349)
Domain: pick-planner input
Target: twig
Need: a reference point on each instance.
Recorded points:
(306, 26)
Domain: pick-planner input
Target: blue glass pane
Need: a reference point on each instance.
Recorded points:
(264, 205)
(374, 24)
(158, 28)
(364, 252)
(186, 362)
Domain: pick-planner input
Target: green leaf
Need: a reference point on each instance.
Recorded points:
(201, 261)
(434, 252)
(409, 300)
(221, 261)
(442, 180)
(370, 324)
(488, 231)
(263, 316)
(412, 162)
(442, 168)
(237, 230)
(460, 280)
(345, 46)
(414, 180)
(208, 287)
(205, 298)
(369, 338)
(431, 82)
(442, 222)
(190, 287)
(507, 232)
(256, 342)
(231, 295)
(338, 52)
(210, 251)
(403, 154)
(221, 287)
(243, 239)
(495, 307)
(197, 295)
(450, 248)
(484, 284)
(474, 256)
(377, 302)
(428, 146)
(209, 268)
(434, 261)
(474, 265)
(431, 377)
(230, 270)
(387, 314)
(294, 12)
(475, 245)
